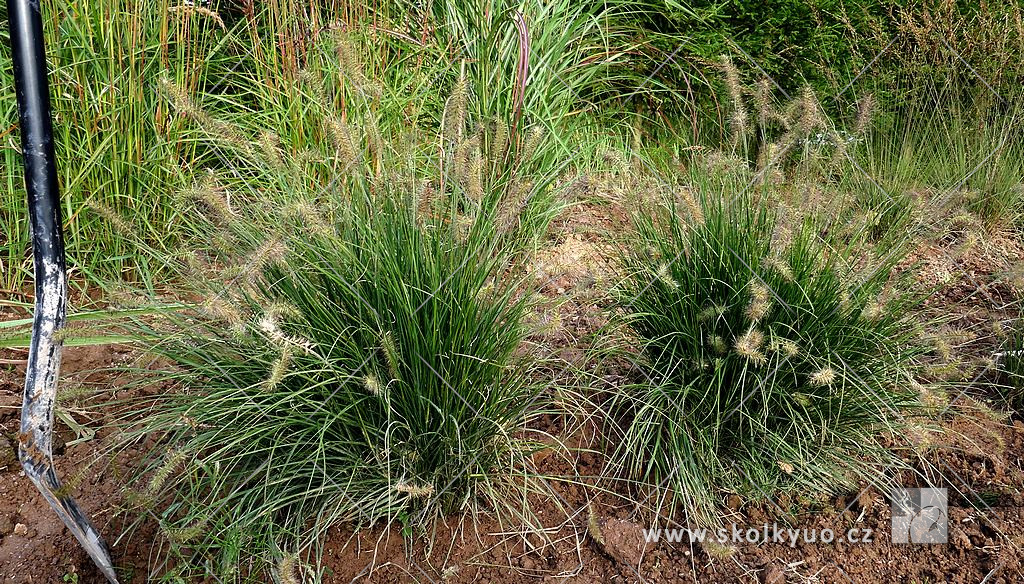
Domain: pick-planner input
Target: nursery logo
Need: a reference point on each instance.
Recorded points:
(919, 516)
(767, 533)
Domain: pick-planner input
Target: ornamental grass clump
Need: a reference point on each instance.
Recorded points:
(352, 354)
(765, 359)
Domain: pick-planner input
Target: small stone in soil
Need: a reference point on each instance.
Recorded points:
(622, 540)
(21, 529)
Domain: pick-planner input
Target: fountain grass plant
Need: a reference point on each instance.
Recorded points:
(767, 357)
(354, 348)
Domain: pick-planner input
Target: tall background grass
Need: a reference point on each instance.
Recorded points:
(571, 68)
(118, 159)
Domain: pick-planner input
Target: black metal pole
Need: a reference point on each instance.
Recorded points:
(37, 412)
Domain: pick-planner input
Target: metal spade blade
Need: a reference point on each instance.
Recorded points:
(37, 413)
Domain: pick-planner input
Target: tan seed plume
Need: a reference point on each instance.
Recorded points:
(749, 346)
(415, 491)
(823, 377)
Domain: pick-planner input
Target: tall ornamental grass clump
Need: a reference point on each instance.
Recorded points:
(352, 353)
(768, 359)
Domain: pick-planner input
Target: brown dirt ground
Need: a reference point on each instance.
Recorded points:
(595, 538)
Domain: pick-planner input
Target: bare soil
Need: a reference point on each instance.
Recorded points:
(596, 536)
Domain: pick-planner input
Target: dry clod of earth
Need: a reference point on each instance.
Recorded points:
(622, 540)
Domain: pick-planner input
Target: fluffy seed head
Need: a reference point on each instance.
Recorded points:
(183, 535)
(664, 275)
(865, 113)
(270, 149)
(269, 326)
(315, 82)
(71, 394)
(533, 138)
(711, 312)
(340, 134)
(749, 346)
(455, 112)
(760, 303)
(184, 104)
(931, 398)
(219, 309)
(463, 157)
(943, 347)
(212, 194)
(873, 310)
(756, 311)
(689, 202)
(844, 300)
(201, 11)
(787, 347)
(823, 377)
(372, 384)
(271, 251)
(463, 227)
(415, 491)
(593, 525)
(759, 292)
(811, 116)
(732, 83)
(288, 568)
(71, 330)
(351, 69)
(391, 354)
(279, 368)
(181, 100)
(614, 159)
(500, 145)
(309, 217)
(717, 343)
(475, 176)
(782, 238)
(780, 266)
(171, 462)
(282, 310)
(110, 216)
(510, 208)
